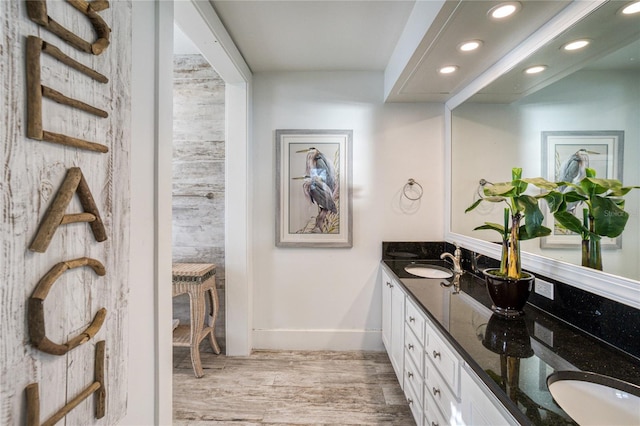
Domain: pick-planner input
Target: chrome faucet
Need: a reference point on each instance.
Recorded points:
(455, 258)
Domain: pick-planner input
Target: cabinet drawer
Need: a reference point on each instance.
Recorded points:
(415, 404)
(415, 320)
(436, 390)
(447, 364)
(413, 378)
(432, 416)
(414, 349)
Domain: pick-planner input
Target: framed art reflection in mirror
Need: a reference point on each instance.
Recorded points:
(565, 157)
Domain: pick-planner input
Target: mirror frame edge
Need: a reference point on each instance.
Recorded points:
(620, 289)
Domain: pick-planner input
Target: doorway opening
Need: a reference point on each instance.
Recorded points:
(198, 173)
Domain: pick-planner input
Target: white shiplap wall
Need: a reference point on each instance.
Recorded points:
(32, 172)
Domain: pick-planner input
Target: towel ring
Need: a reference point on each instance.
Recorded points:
(409, 187)
(480, 192)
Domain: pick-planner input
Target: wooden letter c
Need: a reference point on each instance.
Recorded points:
(37, 331)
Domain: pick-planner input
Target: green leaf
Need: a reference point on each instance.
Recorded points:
(570, 222)
(492, 226)
(618, 201)
(610, 219)
(555, 201)
(516, 173)
(573, 196)
(587, 186)
(533, 216)
(541, 231)
(601, 186)
(473, 206)
(620, 192)
(541, 183)
(605, 184)
(503, 189)
(521, 186)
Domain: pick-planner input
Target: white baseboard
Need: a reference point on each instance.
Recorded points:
(318, 340)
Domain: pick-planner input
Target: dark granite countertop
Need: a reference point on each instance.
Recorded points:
(513, 357)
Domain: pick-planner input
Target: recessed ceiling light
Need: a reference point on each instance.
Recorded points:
(470, 45)
(504, 10)
(448, 69)
(535, 69)
(632, 8)
(576, 44)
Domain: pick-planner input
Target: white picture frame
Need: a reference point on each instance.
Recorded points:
(605, 150)
(314, 197)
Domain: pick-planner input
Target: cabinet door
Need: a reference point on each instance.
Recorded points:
(386, 310)
(479, 406)
(397, 329)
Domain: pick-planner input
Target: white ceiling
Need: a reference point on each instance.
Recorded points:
(322, 35)
(338, 35)
(615, 46)
(457, 22)
(315, 35)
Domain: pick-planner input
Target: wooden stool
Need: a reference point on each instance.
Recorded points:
(198, 280)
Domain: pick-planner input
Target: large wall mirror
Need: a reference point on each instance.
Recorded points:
(587, 98)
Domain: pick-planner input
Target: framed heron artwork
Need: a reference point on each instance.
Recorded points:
(313, 172)
(565, 157)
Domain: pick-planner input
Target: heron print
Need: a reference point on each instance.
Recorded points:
(571, 164)
(573, 170)
(320, 186)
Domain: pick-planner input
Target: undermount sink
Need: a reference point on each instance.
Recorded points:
(428, 271)
(594, 399)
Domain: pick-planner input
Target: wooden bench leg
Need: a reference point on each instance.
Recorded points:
(197, 305)
(213, 314)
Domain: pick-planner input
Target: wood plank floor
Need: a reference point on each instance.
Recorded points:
(288, 388)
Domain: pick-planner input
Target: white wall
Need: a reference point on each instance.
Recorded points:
(307, 298)
(149, 396)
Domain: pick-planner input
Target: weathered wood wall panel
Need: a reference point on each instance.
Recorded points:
(32, 172)
(198, 174)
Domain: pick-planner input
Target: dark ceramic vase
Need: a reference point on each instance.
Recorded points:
(508, 295)
(508, 336)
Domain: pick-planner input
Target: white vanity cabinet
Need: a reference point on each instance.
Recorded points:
(432, 372)
(393, 307)
(440, 387)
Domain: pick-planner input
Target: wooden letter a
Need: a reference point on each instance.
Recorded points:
(55, 215)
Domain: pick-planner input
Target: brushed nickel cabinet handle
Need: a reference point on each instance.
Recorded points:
(410, 346)
(410, 374)
(434, 424)
(436, 354)
(410, 401)
(435, 391)
(412, 319)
